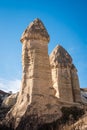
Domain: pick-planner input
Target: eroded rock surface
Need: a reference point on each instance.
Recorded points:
(37, 96)
(10, 101)
(64, 76)
(48, 82)
(84, 95)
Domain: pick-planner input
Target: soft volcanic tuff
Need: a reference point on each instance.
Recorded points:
(47, 82)
(37, 96)
(64, 76)
(36, 30)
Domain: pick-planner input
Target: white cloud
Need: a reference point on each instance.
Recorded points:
(10, 85)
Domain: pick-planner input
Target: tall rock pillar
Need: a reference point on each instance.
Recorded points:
(64, 76)
(37, 94)
(75, 84)
(36, 81)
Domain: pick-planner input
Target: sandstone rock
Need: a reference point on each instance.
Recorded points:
(10, 100)
(84, 95)
(81, 124)
(3, 95)
(64, 76)
(48, 82)
(37, 96)
(36, 30)
(75, 85)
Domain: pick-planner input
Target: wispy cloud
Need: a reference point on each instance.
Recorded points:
(10, 85)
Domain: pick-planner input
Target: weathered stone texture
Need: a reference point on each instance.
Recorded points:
(64, 76)
(75, 85)
(37, 95)
(9, 101)
(36, 30)
(45, 81)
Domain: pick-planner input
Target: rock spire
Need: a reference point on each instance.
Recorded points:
(64, 76)
(37, 96)
(36, 30)
(60, 57)
(48, 82)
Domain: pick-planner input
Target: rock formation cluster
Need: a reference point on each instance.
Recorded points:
(46, 80)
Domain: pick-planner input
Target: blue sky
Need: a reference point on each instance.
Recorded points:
(66, 22)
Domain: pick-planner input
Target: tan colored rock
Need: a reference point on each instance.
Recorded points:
(84, 96)
(36, 30)
(75, 85)
(47, 81)
(81, 124)
(37, 95)
(64, 76)
(10, 100)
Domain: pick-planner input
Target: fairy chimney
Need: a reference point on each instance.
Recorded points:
(64, 76)
(37, 95)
